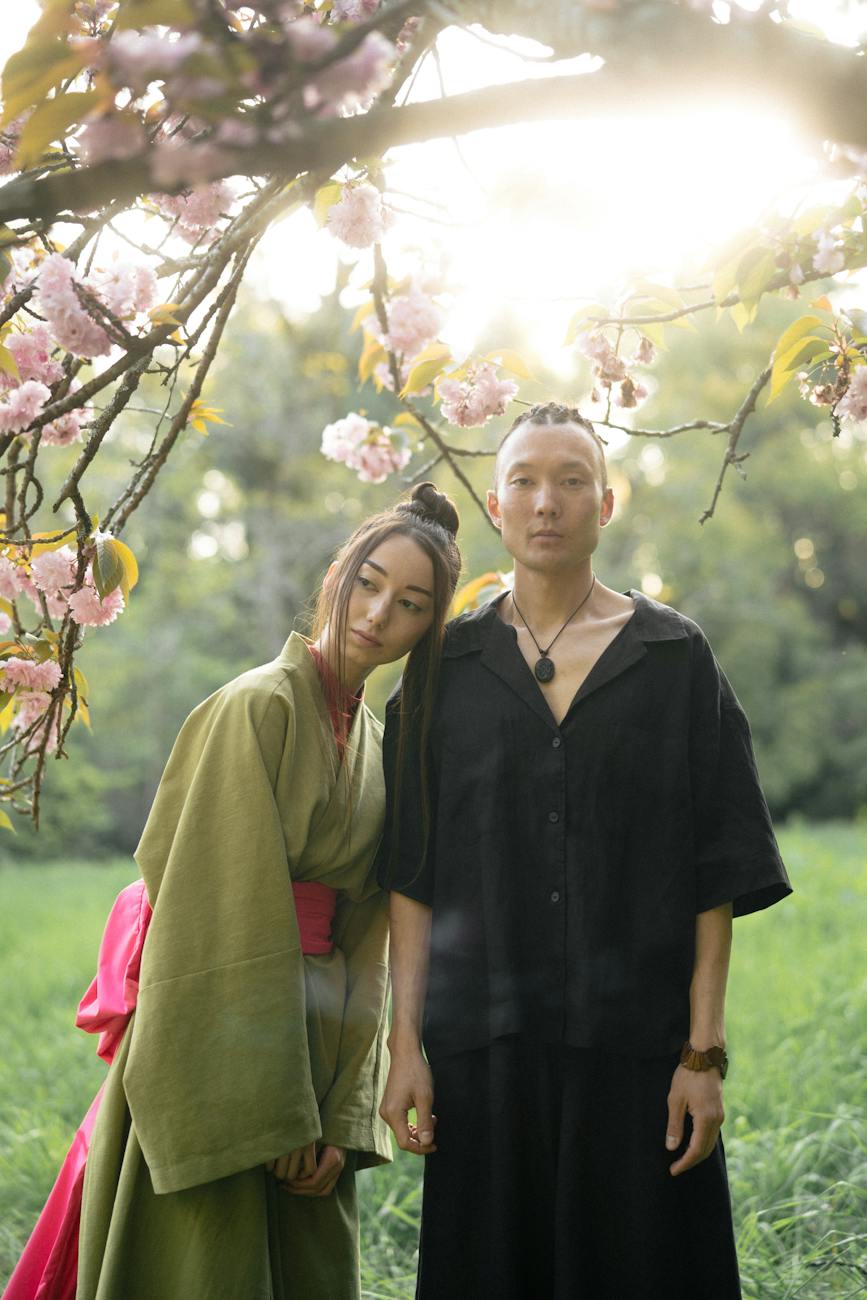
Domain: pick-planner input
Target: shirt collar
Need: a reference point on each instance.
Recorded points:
(650, 622)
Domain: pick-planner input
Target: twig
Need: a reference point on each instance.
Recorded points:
(736, 428)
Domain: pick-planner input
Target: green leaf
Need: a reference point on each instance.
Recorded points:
(36, 69)
(429, 363)
(155, 13)
(108, 570)
(786, 360)
(51, 121)
(803, 325)
(129, 562)
(8, 364)
(510, 360)
(6, 822)
(581, 318)
(755, 272)
(372, 354)
(325, 199)
(662, 293)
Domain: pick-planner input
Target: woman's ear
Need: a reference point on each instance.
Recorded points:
(329, 575)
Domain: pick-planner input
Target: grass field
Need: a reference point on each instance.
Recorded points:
(796, 1098)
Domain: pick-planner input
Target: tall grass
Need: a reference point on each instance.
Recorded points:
(796, 1098)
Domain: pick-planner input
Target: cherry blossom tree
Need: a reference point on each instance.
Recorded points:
(215, 119)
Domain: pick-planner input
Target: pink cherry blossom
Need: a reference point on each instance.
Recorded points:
(110, 136)
(629, 393)
(89, 611)
(5, 623)
(309, 40)
(829, 257)
(29, 675)
(22, 406)
(472, 401)
(30, 707)
(135, 59)
(353, 11)
(127, 290)
(197, 211)
(594, 345)
(66, 429)
(413, 320)
(352, 82)
(54, 569)
(343, 437)
(32, 352)
(853, 403)
(645, 353)
(359, 218)
(11, 579)
(9, 144)
(67, 320)
(378, 457)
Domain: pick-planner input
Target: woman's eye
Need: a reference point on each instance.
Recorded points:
(411, 605)
(365, 582)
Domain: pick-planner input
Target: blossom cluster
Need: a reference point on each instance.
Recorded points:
(359, 218)
(610, 372)
(472, 400)
(374, 451)
(51, 578)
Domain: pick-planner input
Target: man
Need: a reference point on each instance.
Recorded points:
(565, 852)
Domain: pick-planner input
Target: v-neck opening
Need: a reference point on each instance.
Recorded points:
(586, 682)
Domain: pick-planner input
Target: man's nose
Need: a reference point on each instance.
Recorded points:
(546, 500)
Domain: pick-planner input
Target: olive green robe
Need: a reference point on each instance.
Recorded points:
(242, 1049)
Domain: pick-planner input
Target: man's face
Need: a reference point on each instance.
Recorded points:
(548, 501)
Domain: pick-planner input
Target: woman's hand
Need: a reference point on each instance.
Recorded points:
(322, 1180)
(299, 1163)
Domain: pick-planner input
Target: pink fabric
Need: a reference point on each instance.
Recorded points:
(48, 1268)
(314, 907)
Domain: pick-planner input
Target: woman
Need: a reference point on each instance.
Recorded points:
(243, 1094)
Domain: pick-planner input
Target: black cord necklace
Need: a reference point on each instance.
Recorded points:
(544, 667)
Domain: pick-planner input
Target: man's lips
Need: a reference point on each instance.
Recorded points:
(547, 532)
(371, 640)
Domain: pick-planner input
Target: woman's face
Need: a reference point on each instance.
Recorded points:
(390, 608)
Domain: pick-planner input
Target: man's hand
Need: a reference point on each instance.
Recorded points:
(298, 1163)
(410, 1086)
(322, 1181)
(700, 1093)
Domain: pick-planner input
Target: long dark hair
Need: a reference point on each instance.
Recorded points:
(430, 518)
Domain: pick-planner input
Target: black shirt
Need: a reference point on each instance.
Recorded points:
(565, 865)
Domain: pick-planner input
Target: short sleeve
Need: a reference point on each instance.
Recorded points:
(737, 859)
(406, 855)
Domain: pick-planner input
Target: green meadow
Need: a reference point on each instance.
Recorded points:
(796, 1097)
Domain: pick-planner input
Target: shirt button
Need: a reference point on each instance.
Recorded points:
(553, 816)
(556, 742)
(555, 896)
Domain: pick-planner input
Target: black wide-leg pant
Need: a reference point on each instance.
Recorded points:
(551, 1182)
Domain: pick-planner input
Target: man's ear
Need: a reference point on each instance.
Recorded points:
(607, 509)
(494, 509)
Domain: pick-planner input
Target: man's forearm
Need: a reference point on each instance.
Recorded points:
(410, 924)
(707, 992)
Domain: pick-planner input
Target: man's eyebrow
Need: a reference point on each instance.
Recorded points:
(423, 590)
(529, 464)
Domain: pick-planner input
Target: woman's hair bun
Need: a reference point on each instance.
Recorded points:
(430, 503)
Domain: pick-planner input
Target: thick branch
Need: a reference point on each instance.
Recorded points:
(684, 60)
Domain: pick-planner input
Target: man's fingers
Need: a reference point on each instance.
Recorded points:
(674, 1128)
(701, 1144)
(424, 1120)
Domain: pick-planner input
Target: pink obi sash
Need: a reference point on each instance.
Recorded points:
(48, 1268)
(314, 907)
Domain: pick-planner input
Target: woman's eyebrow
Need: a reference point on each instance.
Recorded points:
(409, 587)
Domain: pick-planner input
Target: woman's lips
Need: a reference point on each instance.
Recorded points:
(368, 640)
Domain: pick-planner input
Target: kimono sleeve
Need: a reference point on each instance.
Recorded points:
(736, 855)
(218, 1076)
(350, 1109)
(406, 854)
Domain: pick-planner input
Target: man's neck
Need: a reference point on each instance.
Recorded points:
(547, 599)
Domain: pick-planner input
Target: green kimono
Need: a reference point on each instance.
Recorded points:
(241, 1048)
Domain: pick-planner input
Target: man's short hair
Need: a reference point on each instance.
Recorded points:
(552, 413)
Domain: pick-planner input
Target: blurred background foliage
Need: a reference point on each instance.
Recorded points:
(237, 539)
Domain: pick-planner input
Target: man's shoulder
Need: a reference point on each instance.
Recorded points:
(658, 622)
(469, 630)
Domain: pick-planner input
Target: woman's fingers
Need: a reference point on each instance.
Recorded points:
(324, 1177)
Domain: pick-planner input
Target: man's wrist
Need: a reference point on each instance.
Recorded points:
(404, 1038)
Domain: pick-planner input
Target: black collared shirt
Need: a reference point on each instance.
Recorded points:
(565, 865)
